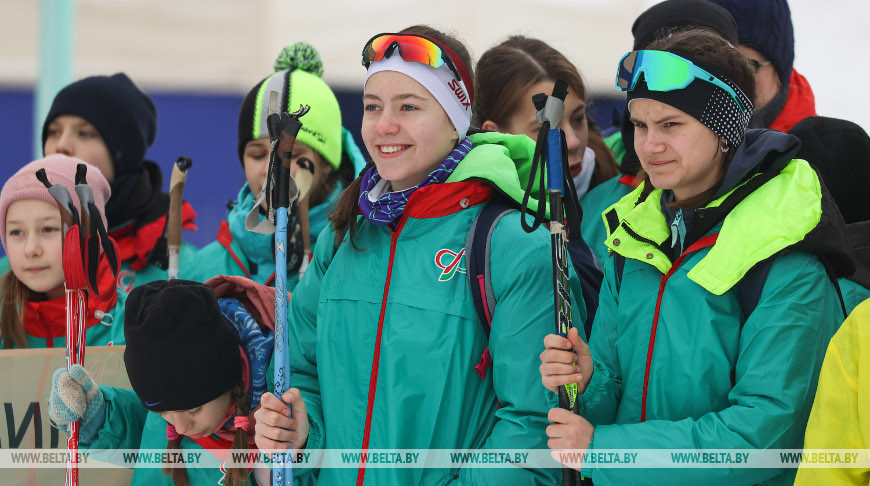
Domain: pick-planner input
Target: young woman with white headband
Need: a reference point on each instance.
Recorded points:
(384, 337)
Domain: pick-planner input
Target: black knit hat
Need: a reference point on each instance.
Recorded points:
(681, 14)
(181, 351)
(120, 111)
(765, 25)
(840, 152)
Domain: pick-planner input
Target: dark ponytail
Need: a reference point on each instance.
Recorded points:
(238, 476)
(343, 217)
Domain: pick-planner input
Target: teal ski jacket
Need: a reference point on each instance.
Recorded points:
(676, 363)
(384, 340)
(594, 203)
(243, 253)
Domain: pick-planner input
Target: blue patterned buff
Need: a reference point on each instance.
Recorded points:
(258, 343)
(389, 207)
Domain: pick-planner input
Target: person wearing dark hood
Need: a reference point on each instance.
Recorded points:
(783, 97)
(109, 122)
(678, 358)
(667, 16)
(839, 150)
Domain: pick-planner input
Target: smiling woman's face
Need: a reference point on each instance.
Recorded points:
(405, 130)
(677, 151)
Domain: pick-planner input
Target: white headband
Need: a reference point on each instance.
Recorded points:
(450, 93)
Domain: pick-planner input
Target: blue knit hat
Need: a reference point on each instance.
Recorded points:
(765, 25)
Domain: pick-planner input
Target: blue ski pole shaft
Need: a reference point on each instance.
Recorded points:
(283, 128)
(561, 290)
(561, 298)
(282, 474)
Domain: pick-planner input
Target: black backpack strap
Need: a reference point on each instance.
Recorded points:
(839, 294)
(478, 244)
(619, 265)
(750, 286)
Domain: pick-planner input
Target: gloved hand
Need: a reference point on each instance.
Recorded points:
(74, 395)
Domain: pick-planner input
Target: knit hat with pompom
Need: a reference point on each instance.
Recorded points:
(60, 170)
(297, 80)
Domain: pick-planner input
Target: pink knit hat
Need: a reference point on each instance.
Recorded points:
(60, 169)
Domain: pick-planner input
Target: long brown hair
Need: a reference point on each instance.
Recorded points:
(506, 71)
(236, 476)
(14, 297)
(712, 49)
(346, 210)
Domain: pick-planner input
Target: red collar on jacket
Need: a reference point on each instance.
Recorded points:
(437, 200)
(629, 180)
(136, 243)
(47, 319)
(800, 104)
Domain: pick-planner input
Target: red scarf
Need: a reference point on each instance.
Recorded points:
(800, 104)
(47, 319)
(136, 243)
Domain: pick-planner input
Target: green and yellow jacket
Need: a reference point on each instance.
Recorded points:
(677, 364)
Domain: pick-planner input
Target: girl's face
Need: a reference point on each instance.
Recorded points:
(405, 130)
(256, 162)
(74, 136)
(677, 151)
(523, 122)
(201, 421)
(34, 243)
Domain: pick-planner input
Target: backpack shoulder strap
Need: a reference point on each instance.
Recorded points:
(750, 286)
(478, 245)
(619, 264)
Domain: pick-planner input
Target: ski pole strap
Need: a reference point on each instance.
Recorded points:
(536, 175)
(283, 128)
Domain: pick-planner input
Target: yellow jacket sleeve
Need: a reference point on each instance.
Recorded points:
(840, 418)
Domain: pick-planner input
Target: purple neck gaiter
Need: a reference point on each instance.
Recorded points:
(389, 207)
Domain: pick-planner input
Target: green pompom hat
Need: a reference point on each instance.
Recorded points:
(297, 80)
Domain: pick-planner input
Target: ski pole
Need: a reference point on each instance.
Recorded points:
(174, 219)
(551, 184)
(76, 302)
(78, 265)
(283, 128)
